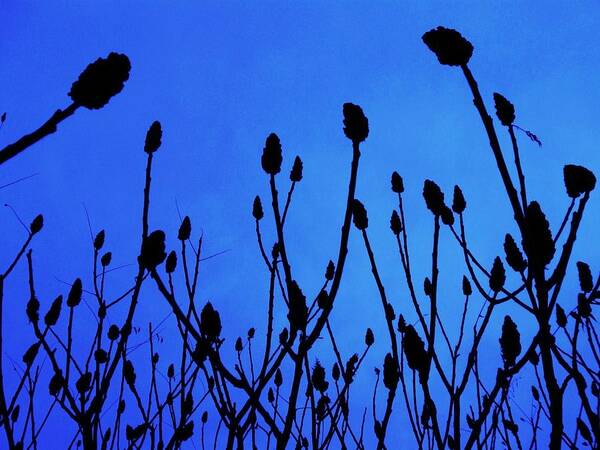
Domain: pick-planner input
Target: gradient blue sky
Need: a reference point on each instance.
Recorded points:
(222, 76)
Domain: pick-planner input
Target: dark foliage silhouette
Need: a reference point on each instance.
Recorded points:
(269, 388)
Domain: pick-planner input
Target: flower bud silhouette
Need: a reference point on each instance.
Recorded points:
(585, 276)
(100, 356)
(278, 379)
(369, 337)
(56, 384)
(335, 372)
(283, 336)
(350, 368)
(466, 286)
(204, 417)
(497, 275)
(210, 322)
(272, 158)
(427, 287)
(171, 263)
(298, 313)
(54, 312)
(514, 257)
(401, 324)
(323, 299)
(185, 229)
(106, 259)
(129, 373)
(330, 271)
(390, 314)
(504, 110)
(450, 47)
(447, 216)
(100, 81)
(153, 137)
(31, 353)
(359, 215)
(391, 372)
(113, 332)
(99, 240)
(535, 393)
(74, 297)
(458, 201)
(397, 183)
(395, 223)
(37, 224)
(296, 172)
(153, 250)
(584, 306)
(356, 124)
(251, 332)
(578, 180)
(537, 238)
(434, 197)
(510, 342)
(33, 310)
(171, 371)
(561, 317)
(318, 378)
(239, 346)
(84, 382)
(257, 209)
(414, 349)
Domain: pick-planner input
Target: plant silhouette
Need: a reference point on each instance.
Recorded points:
(269, 389)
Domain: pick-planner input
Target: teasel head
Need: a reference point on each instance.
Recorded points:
(450, 47)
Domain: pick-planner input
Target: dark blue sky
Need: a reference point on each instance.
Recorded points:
(221, 77)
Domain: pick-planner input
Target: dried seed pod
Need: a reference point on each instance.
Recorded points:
(584, 430)
(369, 337)
(171, 263)
(31, 353)
(359, 215)
(497, 275)
(434, 197)
(185, 229)
(272, 155)
(537, 238)
(535, 393)
(153, 250)
(391, 372)
(251, 332)
(447, 216)
(74, 297)
(257, 209)
(56, 384)
(204, 417)
(578, 180)
(100, 356)
(401, 324)
(171, 371)
(296, 172)
(459, 204)
(99, 240)
(505, 110)
(510, 342)
(414, 349)
(318, 378)
(466, 286)
(397, 183)
(153, 137)
(514, 257)
(37, 224)
(210, 322)
(53, 313)
(395, 223)
(585, 276)
(450, 47)
(350, 368)
(390, 314)
(100, 81)
(239, 346)
(356, 124)
(298, 312)
(283, 336)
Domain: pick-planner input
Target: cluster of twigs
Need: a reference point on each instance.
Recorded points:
(276, 393)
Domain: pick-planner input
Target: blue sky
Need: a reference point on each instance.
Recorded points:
(222, 76)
